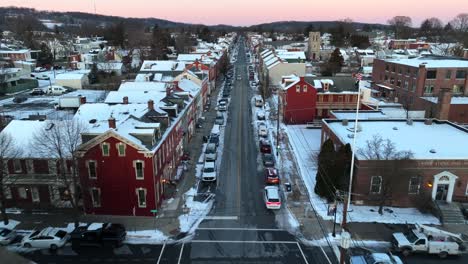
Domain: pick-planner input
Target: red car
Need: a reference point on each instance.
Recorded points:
(271, 176)
(265, 146)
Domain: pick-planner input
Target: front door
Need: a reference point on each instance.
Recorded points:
(442, 190)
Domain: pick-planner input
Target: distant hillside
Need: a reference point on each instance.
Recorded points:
(76, 18)
(297, 26)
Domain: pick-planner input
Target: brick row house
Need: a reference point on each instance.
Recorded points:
(438, 169)
(32, 179)
(132, 150)
(301, 102)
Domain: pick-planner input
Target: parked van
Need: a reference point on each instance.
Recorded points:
(56, 90)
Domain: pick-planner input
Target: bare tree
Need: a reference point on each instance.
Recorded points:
(8, 151)
(460, 22)
(401, 26)
(60, 140)
(389, 165)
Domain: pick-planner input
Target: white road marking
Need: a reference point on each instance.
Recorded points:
(235, 228)
(302, 252)
(180, 254)
(220, 217)
(160, 255)
(244, 241)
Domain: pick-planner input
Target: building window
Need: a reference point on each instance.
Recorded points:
(413, 86)
(121, 149)
(35, 195)
(431, 74)
(405, 86)
(466, 191)
(141, 193)
(398, 84)
(460, 74)
(386, 77)
(448, 74)
(428, 89)
(96, 197)
(298, 88)
(22, 193)
(393, 68)
(92, 169)
(7, 192)
(376, 184)
(139, 166)
(408, 71)
(414, 184)
(387, 67)
(17, 165)
(457, 89)
(304, 88)
(399, 70)
(392, 81)
(105, 147)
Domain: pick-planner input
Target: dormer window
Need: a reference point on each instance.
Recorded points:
(105, 148)
(298, 88)
(121, 147)
(304, 88)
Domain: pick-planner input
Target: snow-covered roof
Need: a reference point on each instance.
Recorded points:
(189, 86)
(418, 138)
(292, 55)
(189, 57)
(162, 66)
(70, 76)
(138, 97)
(142, 87)
(455, 100)
(432, 63)
(109, 66)
(92, 96)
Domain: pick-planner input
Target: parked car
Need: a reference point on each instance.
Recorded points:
(258, 101)
(222, 106)
(219, 120)
(37, 91)
(209, 171)
(376, 258)
(210, 152)
(49, 237)
(268, 160)
(265, 146)
(6, 236)
(260, 115)
(214, 139)
(272, 197)
(19, 99)
(271, 176)
(262, 131)
(40, 69)
(98, 234)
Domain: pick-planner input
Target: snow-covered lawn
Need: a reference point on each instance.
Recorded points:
(197, 211)
(306, 144)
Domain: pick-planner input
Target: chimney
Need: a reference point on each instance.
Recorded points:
(125, 100)
(82, 100)
(168, 90)
(112, 123)
(428, 121)
(443, 104)
(150, 105)
(344, 122)
(409, 122)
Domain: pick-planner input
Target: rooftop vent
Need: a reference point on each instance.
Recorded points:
(409, 122)
(395, 128)
(351, 135)
(432, 151)
(344, 122)
(92, 121)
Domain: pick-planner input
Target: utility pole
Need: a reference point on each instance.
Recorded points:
(277, 127)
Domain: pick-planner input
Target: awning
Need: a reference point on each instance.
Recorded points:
(385, 87)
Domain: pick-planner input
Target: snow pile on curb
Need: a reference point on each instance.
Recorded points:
(11, 224)
(198, 210)
(145, 237)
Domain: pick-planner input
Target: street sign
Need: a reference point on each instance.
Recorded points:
(154, 211)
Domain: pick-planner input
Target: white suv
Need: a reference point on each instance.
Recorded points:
(271, 197)
(262, 131)
(209, 172)
(49, 237)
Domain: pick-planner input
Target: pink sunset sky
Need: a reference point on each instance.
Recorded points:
(248, 12)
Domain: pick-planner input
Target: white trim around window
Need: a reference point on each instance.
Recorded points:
(141, 197)
(7, 192)
(103, 145)
(92, 170)
(376, 184)
(139, 167)
(121, 149)
(414, 185)
(95, 196)
(35, 197)
(17, 167)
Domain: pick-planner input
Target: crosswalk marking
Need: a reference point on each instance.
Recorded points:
(220, 217)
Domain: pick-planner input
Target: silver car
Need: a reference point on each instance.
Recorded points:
(210, 152)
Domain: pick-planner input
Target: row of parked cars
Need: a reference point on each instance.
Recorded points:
(95, 234)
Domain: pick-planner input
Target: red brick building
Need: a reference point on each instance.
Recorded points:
(438, 168)
(302, 102)
(408, 80)
(132, 151)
